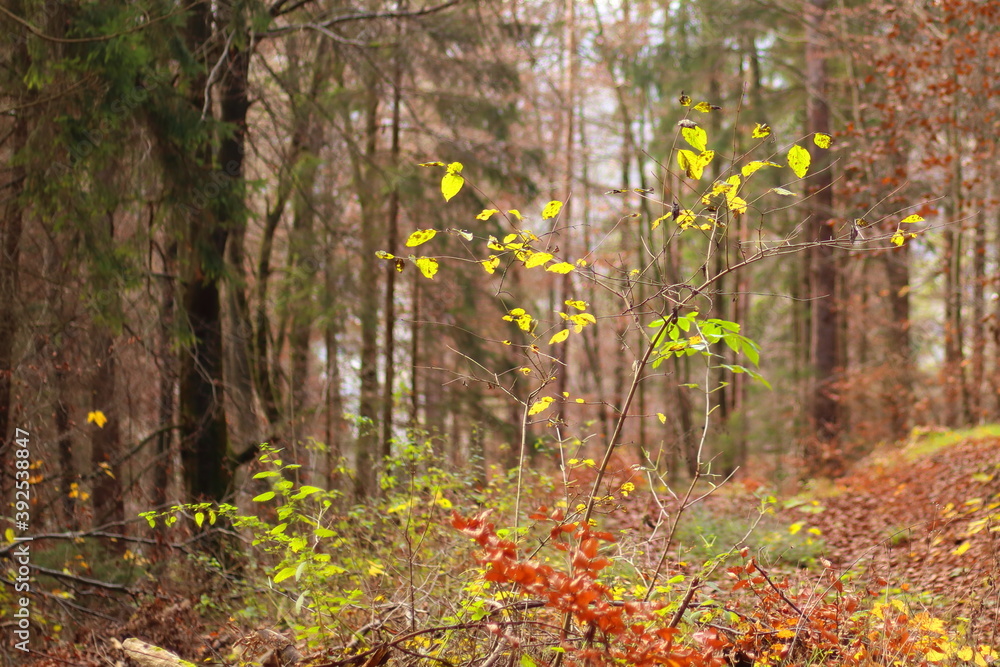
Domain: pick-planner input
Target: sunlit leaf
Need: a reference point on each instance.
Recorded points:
(540, 405)
(704, 107)
(487, 213)
(695, 136)
(685, 100)
(284, 573)
(264, 497)
(737, 205)
(559, 337)
(420, 236)
(551, 209)
(656, 223)
(97, 417)
(692, 164)
(431, 164)
(751, 167)
(537, 259)
(662, 417)
(382, 254)
(822, 140)
(461, 232)
(898, 238)
(199, 518)
(579, 305)
(799, 160)
(517, 214)
(560, 267)
(490, 265)
(761, 130)
(686, 218)
(783, 192)
(912, 218)
(453, 181)
(427, 265)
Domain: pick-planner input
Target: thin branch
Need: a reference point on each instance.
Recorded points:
(360, 16)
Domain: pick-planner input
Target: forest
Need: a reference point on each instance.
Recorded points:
(500, 332)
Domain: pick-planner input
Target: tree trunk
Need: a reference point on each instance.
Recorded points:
(205, 441)
(825, 328)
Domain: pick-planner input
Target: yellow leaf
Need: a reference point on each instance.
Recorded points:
(487, 213)
(898, 238)
(540, 405)
(517, 214)
(431, 164)
(656, 223)
(693, 164)
(685, 100)
(420, 236)
(662, 417)
(799, 160)
(9, 535)
(685, 218)
(786, 634)
(703, 107)
(551, 209)
(822, 140)
(453, 181)
(962, 548)
(794, 528)
(97, 417)
(427, 265)
(964, 653)
(579, 305)
(783, 192)
(911, 219)
(751, 167)
(761, 130)
(559, 337)
(695, 136)
(580, 400)
(582, 320)
(537, 259)
(560, 267)
(375, 568)
(737, 205)
(490, 265)
(382, 254)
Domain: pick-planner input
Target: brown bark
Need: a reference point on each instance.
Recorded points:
(823, 265)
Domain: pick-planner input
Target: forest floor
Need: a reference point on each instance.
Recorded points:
(921, 519)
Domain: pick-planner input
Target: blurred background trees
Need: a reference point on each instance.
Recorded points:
(193, 196)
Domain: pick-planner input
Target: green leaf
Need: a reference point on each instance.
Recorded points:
(695, 136)
(266, 473)
(284, 573)
(799, 160)
(199, 518)
(453, 181)
(526, 661)
(264, 497)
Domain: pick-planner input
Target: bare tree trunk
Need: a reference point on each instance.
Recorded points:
(367, 454)
(825, 327)
(168, 378)
(392, 239)
(978, 319)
